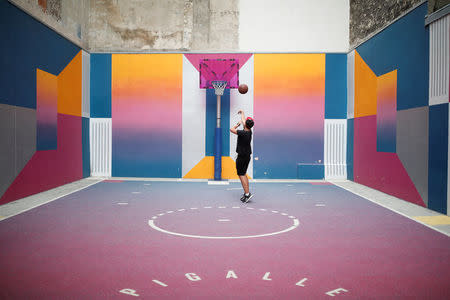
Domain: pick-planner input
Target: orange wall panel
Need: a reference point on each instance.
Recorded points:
(365, 89)
(69, 88)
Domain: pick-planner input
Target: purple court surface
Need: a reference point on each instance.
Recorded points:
(191, 240)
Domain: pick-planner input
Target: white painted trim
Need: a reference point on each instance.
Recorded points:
(86, 84)
(351, 85)
(245, 102)
(193, 118)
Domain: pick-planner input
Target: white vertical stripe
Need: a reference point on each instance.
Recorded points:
(193, 118)
(245, 102)
(439, 61)
(85, 83)
(100, 145)
(335, 149)
(350, 84)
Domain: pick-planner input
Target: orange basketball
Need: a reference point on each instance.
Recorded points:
(243, 88)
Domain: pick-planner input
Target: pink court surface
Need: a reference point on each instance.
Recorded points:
(191, 240)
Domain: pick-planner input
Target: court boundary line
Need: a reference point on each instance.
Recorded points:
(22, 202)
(387, 207)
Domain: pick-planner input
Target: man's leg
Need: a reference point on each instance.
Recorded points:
(244, 182)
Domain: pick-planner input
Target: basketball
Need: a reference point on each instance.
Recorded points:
(243, 88)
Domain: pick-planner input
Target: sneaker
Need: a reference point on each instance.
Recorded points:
(247, 198)
(243, 198)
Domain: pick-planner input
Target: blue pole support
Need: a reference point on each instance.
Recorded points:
(218, 154)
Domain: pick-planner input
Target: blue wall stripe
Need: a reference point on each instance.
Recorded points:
(211, 113)
(85, 148)
(438, 158)
(100, 86)
(404, 46)
(26, 45)
(350, 135)
(336, 86)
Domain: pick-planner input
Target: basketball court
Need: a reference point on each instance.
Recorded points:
(123, 239)
(119, 140)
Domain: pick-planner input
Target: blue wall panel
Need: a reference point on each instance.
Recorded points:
(26, 45)
(211, 117)
(336, 86)
(100, 86)
(85, 148)
(438, 158)
(404, 46)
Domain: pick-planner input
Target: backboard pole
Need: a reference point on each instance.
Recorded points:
(218, 145)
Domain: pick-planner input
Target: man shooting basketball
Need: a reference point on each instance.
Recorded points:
(244, 151)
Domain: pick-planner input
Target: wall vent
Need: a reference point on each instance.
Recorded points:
(335, 149)
(100, 146)
(439, 61)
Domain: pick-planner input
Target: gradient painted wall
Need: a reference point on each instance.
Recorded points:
(46, 110)
(41, 89)
(146, 115)
(392, 148)
(289, 104)
(387, 112)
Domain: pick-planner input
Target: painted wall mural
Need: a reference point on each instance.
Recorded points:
(289, 109)
(40, 108)
(146, 115)
(399, 143)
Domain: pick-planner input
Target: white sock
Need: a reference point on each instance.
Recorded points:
(248, 194)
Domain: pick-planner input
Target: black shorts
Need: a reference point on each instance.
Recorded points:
(242, 162)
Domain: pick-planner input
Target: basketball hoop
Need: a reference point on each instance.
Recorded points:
(219, 86)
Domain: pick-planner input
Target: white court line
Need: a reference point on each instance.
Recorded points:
(122, 203)
(207, 207)
(300, 193)
(152, 225)
(170, 211)
(218, 183)
(320, 204)
(389, 208)
(250, 208)
(236, 207)
(222, 207)
(274, 211)
(45, 202)
(135, 192)
(194, 207)
(223, 220)
(181, 209)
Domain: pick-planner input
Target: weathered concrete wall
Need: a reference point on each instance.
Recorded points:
(369, 16)
(434, 5)
(154, 25)
(70, 18)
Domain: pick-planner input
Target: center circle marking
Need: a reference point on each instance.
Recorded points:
(152, 224)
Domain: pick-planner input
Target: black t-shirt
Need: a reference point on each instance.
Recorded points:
(243, 146)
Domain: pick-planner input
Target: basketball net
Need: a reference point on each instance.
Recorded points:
(219, 86)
